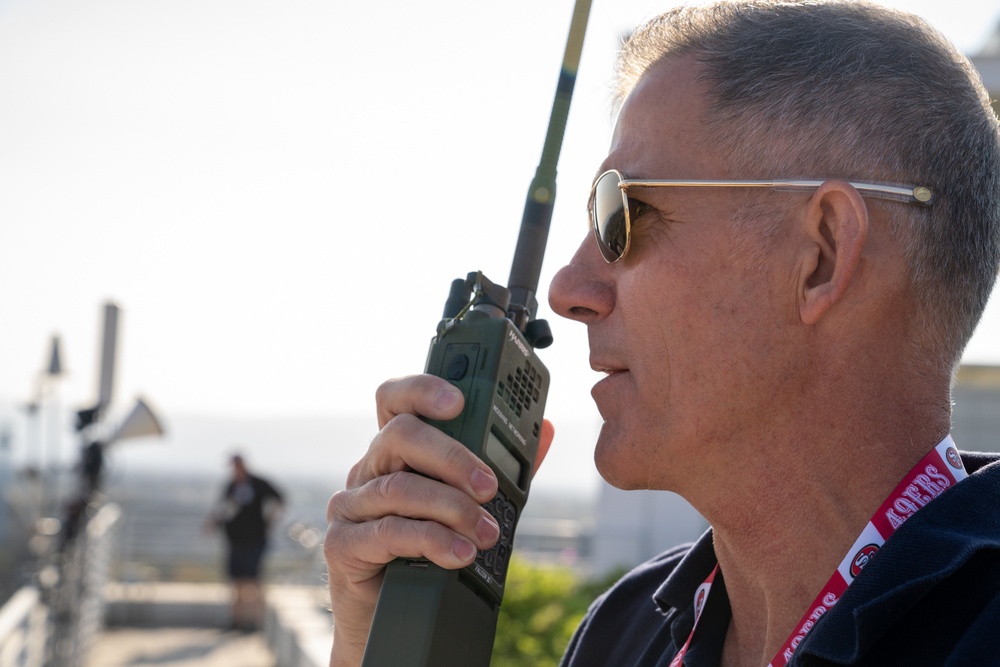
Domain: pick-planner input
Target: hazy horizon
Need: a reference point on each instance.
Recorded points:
(308, 446)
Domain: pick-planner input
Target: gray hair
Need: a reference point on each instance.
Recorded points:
(852, 90)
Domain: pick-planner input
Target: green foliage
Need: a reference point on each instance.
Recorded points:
(541, 608)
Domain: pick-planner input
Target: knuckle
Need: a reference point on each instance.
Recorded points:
(388, 431)
(458, 457)
(393, 530)
(383, 529)
(336, 543)
(391, 487)
(400, 426)
(355, 476)
(383, 390)
(334, 505)
(332, 545)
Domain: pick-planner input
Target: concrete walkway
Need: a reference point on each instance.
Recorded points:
(179, 647)
(182, 625)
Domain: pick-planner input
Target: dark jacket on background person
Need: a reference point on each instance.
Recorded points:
(244, 520)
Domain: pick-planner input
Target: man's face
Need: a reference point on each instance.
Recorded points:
(239, 469)
(686, 325)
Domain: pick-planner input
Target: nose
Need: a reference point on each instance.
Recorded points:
(583, 290)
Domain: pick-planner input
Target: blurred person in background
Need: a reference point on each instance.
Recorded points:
(249, 506)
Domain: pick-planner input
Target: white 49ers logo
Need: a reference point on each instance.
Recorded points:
(862, 557)
(954, 459)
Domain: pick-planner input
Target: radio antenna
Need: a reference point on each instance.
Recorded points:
(527, 264)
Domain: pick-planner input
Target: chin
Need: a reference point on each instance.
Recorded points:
(651, 460)
(616, 462)
(624, 483)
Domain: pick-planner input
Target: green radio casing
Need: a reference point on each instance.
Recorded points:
(426, 615)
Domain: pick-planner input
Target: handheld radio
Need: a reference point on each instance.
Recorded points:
(485, 345)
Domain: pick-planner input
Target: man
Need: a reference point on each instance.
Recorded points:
(779, 355)
(248, 507)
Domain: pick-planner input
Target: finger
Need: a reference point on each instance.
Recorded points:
(425, 395)
(367, 528)
(544, 442)
(406, 443)
(411, 496)
(374, 544)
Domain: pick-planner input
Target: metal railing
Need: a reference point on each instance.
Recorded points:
(23, 629)
(54, 622)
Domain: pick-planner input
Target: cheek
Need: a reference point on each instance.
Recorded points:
(688, 349)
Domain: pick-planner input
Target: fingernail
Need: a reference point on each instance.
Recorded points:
(488, 530)
(483, 483)
(464, 550)
(447, 398)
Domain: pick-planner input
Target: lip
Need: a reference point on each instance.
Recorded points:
(605, 366)
(605, 388)
(609, 368)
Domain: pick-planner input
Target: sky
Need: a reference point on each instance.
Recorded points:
(278, 194)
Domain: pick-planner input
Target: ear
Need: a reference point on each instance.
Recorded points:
(835, 227)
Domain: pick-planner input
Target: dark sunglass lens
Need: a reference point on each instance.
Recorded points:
(609, 217)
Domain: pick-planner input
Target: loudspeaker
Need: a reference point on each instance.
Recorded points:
(140, 421)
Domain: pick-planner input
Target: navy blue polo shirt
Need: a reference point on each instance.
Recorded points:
(931, 597)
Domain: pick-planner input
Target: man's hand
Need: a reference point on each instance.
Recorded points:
(389, 511)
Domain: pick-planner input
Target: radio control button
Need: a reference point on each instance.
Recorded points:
(458, 367)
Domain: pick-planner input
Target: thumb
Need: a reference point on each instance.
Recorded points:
(544, 442)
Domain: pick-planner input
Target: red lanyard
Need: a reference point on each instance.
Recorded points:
(940, 469)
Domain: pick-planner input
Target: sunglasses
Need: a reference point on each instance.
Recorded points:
(611, 211)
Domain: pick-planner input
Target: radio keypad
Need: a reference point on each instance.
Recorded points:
(496, 559)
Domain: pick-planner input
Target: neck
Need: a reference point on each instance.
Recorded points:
(788, 518)
(773, 570)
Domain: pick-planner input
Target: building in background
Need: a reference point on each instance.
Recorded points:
(976, 412)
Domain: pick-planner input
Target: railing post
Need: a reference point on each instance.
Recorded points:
(76, 600)
(23, 629)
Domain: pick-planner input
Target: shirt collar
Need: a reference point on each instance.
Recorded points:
(677, 591)
(931, 546)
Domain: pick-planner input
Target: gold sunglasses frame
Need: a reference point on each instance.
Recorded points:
(916, 194)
